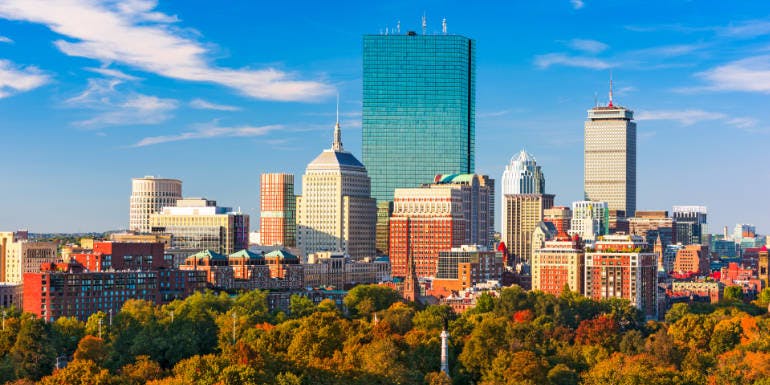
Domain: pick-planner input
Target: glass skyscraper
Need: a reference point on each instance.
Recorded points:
(418, 109)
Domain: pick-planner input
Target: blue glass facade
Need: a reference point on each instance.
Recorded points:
(419, 102)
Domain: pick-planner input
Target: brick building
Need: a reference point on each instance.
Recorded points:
(560, 262)
(622, 266)
(692, 259)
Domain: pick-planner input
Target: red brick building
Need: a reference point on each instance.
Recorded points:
(425, 221)
(692, 259)
(560, 216)
(108, 256)
(621, 266)
(69, 290)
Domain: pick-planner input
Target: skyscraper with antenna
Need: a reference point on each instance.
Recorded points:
(419, 100)
(610, 156)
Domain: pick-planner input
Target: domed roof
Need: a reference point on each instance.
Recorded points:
(523, 156)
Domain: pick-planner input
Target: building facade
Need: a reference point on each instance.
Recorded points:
(465, 266)
(336, 212)
(589, 220)
(622, 266)
(523, 176)
(610, 157)
(27, 257)
(419, 100)
(560, 262)
(521, 214)
(277, 210)
(653, 224)
(560, 216)
(691, 224)
(478, 199)
(425, 221)
(148, 196)
(692, 259)
(197, 224)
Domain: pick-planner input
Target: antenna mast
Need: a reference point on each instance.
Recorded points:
(424, 23)
(398, 27)
(443, 26)
(610, 105)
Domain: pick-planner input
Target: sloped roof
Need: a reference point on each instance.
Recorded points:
(330, 159)
(246, 254)
(208, 254)
(283, 254)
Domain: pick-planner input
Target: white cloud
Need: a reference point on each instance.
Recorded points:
(545, 61)
(112, 73)
(5, 39)
(494, 114)
(684, 117)
(116, 107)
(743, 122)
(751, 74)
(131, 33)
(747, 29)
(15, 79)
(577, 4)
(204, 105)
(587, 45)
(209, 131)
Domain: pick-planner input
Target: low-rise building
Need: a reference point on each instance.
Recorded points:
(464, 267)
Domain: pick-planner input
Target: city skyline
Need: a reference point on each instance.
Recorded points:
(105, 109)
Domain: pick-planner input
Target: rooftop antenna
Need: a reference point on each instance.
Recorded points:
(610, 105)
(337, 144)
(424, 23)
(398, 27)
(443, 26)
(386, 30)
(596, 99)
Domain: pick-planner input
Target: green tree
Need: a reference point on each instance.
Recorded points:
(32, 354)
(67, 332)
(300, 306)
(81, 372)
(677, 311)
(379, 298)
(562, 374)
(733, 293)
(91, 348)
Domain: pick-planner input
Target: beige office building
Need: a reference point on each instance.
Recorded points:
(197, 224)
(610, 157)
(521, 214)
(560, 262)
(148, 196)
(27, 257)
(335, 212)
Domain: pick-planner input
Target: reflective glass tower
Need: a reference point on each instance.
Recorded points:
(418, 109)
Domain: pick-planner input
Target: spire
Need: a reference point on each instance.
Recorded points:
(610, 105)
(337, 144)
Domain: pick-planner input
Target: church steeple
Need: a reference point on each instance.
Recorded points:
(337, 144)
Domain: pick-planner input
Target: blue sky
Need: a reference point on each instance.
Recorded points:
(93, 93)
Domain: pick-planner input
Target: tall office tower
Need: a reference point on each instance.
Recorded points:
(521, 214)
(148, 196)
(197, 224)
(557, 264)
(419, 101)
(425, 222)
(610, 157)
(336, 212)
(523, 176)
(623, 266)
(277, 218)
(478, 192)
(651, 225)
(560, 216)
(384, 211)
(691, 224)
(589, 220)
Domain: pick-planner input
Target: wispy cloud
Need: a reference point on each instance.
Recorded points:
(115, 108)
(108, 72)
(132, 33)
(587, 45)
(747, 29)
(494, 114)
(750, 74)
(684, 117)
(204, 105)
(577, 4)
(15, 79)
(551, 59)
(5, 39)
(209, 131)
(743, 122)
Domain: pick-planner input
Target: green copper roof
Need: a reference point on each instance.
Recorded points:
(245, 254)
(283, 254)
(456, 178)
(208, 254)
